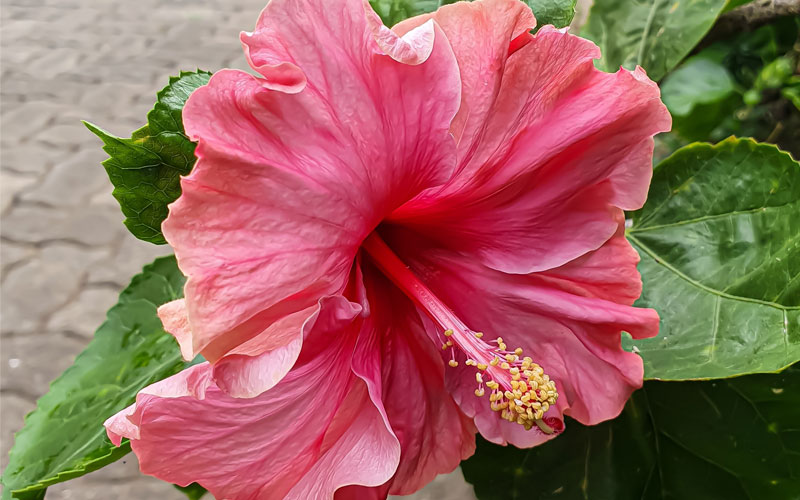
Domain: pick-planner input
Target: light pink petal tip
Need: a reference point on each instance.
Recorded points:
(255, 365)
(314, 432)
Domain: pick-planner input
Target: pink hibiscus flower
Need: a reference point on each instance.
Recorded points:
(394, 238)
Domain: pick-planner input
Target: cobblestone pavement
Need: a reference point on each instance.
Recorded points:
(65, 252)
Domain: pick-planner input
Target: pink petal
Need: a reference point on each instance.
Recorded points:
(295, 169)
(480, 33)
(254, 366)
(260, 363)
(173, 317)
(549, 146)
(404, 371)
(608, 272)
(312, 433)
(572, 329)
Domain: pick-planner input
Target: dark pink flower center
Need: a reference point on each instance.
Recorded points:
(520, 390)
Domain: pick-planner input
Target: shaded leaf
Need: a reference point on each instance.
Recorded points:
(394, 11)
(697, 81)
(732, 4)
(559, 13)
(145, 169)
(193, 492)
(63, 437)
(712, 440)
(556, 12)
(654, 34)
(719, 239)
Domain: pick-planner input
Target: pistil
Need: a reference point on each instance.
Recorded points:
(518, 388)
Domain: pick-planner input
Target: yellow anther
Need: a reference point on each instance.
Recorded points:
(449, 343)
(479, 377)
(479, 335)
(479, 392)
(453, 363)
(482, 366)
(444, 347)
(518, 351)
(501, 346)
(447, 333)
(499, 340)
(521, 400)
(470, 362)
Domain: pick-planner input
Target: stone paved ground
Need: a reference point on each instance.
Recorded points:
(65, 254)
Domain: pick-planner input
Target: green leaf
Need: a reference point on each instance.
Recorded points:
(63, 437)
(719, 239)
(559, 13)
(394, 11)
(145, 169)
(697, 81)
(193, 492)
(732, 4)
(792, 92)
(709, 121)
(711, 440)
(655, 34)
(556, 12)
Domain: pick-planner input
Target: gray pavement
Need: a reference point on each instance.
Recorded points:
(65, 253)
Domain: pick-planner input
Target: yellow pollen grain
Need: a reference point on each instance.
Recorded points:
(523, 400)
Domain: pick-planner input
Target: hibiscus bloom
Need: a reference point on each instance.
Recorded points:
(394, 238)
